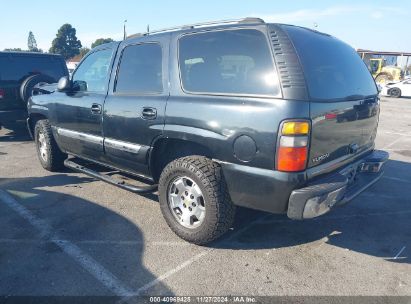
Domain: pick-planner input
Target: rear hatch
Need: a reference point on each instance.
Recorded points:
(344, 103)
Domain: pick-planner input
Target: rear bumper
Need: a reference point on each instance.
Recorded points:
(335, 189)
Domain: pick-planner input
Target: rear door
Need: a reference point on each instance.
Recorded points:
(134, 110)
(344, 103)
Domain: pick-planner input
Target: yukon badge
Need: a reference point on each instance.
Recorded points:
(321, 158)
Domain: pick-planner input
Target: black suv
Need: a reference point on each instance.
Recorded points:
(20, 72)
(218, 115)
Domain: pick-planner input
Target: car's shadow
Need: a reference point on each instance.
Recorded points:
(376, 223)
(13, 126)
(109, 238)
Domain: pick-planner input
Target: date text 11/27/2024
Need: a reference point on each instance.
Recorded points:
(204, 299)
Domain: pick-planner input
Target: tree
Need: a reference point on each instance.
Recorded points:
(100, 41)
(14, 50)
(66, 42)
(32, 43)
(84, 51)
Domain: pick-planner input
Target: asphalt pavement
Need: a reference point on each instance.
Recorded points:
(65, 234)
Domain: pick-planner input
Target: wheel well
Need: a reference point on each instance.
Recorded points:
(34, 118)
(165, 150)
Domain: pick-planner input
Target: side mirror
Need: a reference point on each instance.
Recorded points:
(64, 84)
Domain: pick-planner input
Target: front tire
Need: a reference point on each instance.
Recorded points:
(49, 154)
(194, 199)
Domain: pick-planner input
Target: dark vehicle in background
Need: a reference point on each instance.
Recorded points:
(21, 72)
(219, 115)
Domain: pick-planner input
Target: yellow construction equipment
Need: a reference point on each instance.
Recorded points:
(383, 73)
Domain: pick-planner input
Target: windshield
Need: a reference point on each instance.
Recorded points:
(333, 70)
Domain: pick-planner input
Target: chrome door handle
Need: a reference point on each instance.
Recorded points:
(149, 113)
(96, 108)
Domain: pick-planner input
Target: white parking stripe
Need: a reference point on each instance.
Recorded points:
(87, 262)
(95, 242)
(397, 179)
(380, 195)
(398, 254)
(187, 263)
(396, 133)
(392, 143)
(161, 278)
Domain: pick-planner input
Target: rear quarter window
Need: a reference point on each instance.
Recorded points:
(227, 62)
(333, 70)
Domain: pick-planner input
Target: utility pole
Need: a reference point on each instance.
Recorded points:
(124, 30)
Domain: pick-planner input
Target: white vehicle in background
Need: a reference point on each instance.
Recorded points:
(398, 89)
(71, 66)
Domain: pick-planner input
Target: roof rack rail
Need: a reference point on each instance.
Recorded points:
(203, 24)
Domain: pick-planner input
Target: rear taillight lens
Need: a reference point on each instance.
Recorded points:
(2, 93)
(292, 149)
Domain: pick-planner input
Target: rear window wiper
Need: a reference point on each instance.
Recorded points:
(353, 97)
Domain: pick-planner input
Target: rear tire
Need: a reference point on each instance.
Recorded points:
(49, 154)
(395, 92)
(27, 87)
(211, 211)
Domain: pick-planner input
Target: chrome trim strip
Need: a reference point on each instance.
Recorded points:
(122, 146)
(98, 140)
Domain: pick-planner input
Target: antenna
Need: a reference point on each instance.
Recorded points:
(124, 30)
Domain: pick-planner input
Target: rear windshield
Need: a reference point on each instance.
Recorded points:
(18, 67)
(227, 62)
(333, 70)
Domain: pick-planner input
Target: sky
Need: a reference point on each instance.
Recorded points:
(368, 24)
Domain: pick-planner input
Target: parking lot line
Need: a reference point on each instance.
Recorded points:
(398, 254)
(87, 262)
(96, 242)
(187, 263)
(392, 143)
(397, 179)
(395, 133)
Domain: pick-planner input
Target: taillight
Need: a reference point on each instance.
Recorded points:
(2, 93)
(292, 148)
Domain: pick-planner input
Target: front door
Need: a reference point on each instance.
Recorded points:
(135, 106)
(78, 113)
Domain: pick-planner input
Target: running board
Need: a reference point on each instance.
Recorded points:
(121, 184)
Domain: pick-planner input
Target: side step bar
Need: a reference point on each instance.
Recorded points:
(121, 184)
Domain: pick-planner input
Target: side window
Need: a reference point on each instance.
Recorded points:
(140, 70)
(93, 73)
(228, 62)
